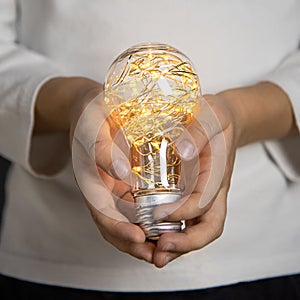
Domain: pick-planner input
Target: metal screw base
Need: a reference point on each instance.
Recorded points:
(145, 204)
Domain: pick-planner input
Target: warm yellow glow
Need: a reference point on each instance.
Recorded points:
(137, 169)
(152, 94)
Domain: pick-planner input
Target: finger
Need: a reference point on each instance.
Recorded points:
(109, 156)
(142, 250)
(121, 194)
(209, 228)
(215, 170)
(127, 207)
(117, 187)
(189, 206)
(207, 136)
(203, 127)
(184, 209)
(118, 227)
(125, 236)
(162, 258)
(93, 132)
(192, 140)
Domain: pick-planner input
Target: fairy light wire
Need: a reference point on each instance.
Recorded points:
(151, 95)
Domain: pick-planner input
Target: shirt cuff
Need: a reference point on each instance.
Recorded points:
(41, 155)
(286, 152)
(48, 153)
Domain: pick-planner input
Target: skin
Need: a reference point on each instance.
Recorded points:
(245, 116)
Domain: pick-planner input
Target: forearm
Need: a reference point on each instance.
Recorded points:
(55, 100)
(262, 111)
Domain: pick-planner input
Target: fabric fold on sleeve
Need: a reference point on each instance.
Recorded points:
(286, 152)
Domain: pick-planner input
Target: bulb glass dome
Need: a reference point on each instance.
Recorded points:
(152, 91)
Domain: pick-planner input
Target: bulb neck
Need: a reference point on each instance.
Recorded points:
(145, 204)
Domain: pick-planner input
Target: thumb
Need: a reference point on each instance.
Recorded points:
(109, 156)
(93, 132)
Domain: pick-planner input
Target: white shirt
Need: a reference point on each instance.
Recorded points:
(48, 235)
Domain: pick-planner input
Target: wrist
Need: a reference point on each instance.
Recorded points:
(55, 101)
(260, 112)
(233, 103)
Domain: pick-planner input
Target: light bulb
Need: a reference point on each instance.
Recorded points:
(151, 91)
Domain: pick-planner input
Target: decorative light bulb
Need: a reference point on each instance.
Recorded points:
(152, 91)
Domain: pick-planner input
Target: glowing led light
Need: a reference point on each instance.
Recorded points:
(152, 91)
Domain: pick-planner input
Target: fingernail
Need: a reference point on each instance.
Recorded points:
(167, 259)
(186, 149)
(168, 247)
(119, 169)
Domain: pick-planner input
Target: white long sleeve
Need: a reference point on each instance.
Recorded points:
(22, 72)
(286, 152)
(48, 235)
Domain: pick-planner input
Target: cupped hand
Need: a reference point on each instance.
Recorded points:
(75, 104)
(228, 120)
(214, 139)
(101, 170)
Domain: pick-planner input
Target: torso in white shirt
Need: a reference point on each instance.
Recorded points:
(48, 235)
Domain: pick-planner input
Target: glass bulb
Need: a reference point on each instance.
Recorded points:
(151, 91)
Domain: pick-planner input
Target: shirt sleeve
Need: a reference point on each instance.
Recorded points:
(22, 73)
(286, 152)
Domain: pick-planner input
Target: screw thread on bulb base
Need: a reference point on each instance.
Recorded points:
(145, 204)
